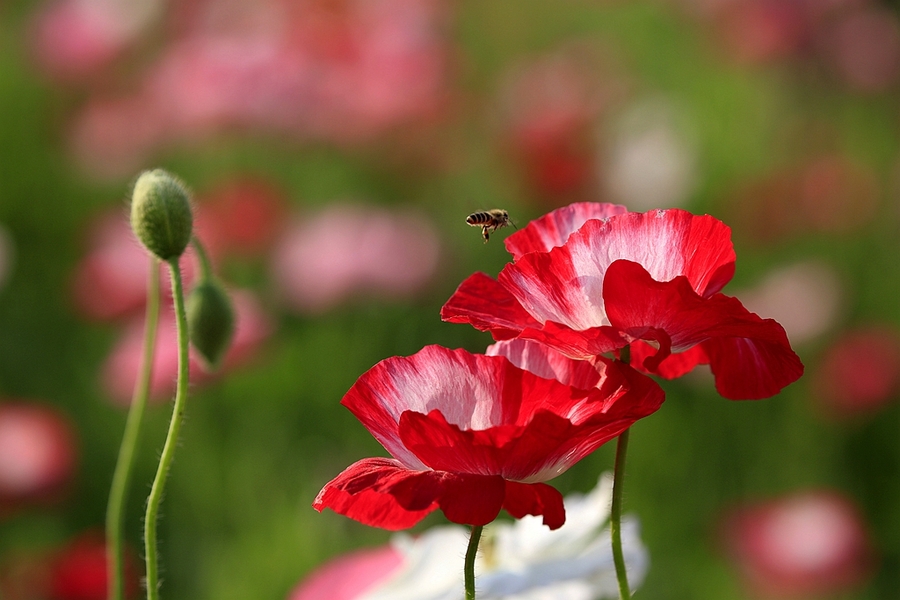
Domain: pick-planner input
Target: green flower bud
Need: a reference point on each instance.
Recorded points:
(210, 321)
(161, 214)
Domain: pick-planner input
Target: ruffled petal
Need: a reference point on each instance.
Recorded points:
(544, 361)
(535, 499)
(750, 357)
(471, 391)
(486, 305)
(749, 369)
(667, 243)
(380, 492)
(613, 378)
(584, 344)
(550, 287)
(551, 440)
(674, 365)
(554, 228)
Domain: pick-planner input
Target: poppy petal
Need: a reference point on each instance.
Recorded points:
(488, 306)
(381, 493)
(554, 228)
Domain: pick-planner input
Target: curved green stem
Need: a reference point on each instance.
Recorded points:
(615, 515)
(471, 553)
(118, 492)
(205, 265)
(168, 452)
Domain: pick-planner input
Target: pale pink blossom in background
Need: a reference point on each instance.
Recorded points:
(829, 194)
(864, 49)
(6, 255)
(123, 364)
(837, 194)
(111, 280)
(808, 544)
(857, 40)
(761, 31)
(73, 39)
(37, 453)
(650, 159)
(351, 575)
(114, 137)
(548, 110)
(343, 72)
(347, 251)
(859, 373)
(806, 297)
(240, 217)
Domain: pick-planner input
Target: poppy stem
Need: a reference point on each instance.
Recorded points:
(615, 515)
(471, 552)
(168, 451)
(118, 492)
(205, 264)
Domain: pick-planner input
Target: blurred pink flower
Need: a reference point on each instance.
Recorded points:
(837, 195)
(79, 570)
(349, 250)
(827, 194)
(344, 72)
(123, 364)
(759, 31)
(859, 373)
(809, 544)
(113, 137)
(350, 576)
(111, 280)
(76, 38)
(805, 297)
(549, 111)
(37, 454)
(241, 216)
(864, 48)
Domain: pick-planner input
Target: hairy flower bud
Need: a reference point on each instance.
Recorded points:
(161, 214)
(210, 320)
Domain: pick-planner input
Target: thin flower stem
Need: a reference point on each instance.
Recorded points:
(615, 515)
(168, 452)
(471, 553)
(118, 493)
(205, 264)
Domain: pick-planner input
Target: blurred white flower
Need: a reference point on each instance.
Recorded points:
(649, 161)
(805, 297)
(522, 560)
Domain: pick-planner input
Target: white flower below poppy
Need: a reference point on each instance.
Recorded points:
(520, 560)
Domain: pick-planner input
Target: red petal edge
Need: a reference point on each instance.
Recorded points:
(535, 499)
(486, 305)
(380, 492)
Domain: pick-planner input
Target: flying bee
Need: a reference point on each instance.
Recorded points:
(489, 221)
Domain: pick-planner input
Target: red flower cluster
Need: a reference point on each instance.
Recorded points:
(589, 279)
(474, 434)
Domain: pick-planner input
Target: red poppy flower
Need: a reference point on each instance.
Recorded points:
(471, 434)
(589, 279)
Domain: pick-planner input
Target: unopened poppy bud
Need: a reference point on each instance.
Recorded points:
(161, 214)
(210, 321)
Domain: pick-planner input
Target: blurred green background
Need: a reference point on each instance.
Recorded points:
(747, 107)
